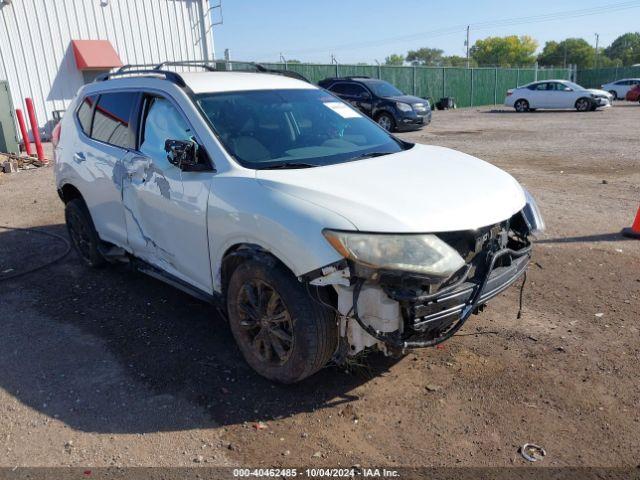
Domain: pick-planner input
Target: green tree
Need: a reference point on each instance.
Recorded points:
(576, 51)
(394, 59)
(625, 48)
(425, 56)
(457, 61)
(505, 51)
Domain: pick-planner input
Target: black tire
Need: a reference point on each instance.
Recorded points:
(285, 339)
(386, 121)
(583, 104)
(521, 105)
(614, 94)
(83, 234)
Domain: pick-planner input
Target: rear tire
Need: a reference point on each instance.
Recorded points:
(583, 104)
(283, 334)
(83, 234)
(521, 106)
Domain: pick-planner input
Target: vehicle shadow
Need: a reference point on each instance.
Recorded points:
(115, 351)
(603, 237)
(511, 111)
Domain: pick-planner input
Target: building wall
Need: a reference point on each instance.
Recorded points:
(37, 59)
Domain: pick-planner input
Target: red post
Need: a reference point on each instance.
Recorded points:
(24, 132)
(34, 129)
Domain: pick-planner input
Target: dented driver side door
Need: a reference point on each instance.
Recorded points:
(165, 226)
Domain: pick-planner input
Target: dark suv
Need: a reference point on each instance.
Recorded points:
(392, 109)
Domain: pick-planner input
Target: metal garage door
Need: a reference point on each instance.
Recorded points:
(8, 134)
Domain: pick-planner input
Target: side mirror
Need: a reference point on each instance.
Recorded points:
(364, 96)
(568, 89)
(182, 153)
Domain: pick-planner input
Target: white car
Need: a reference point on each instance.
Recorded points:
(315, 231)
(556, 94)
(619, 88)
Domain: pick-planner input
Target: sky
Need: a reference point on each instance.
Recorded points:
(369, 30)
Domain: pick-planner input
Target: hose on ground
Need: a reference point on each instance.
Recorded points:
(43, 265)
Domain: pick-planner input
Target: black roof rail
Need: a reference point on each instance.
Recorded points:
(170, 76)
(286, 73)
(209, 65)
(188, 63)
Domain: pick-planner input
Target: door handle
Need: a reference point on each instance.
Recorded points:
(79, 157)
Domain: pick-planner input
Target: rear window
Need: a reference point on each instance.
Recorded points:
(85, 112)
(112, 117)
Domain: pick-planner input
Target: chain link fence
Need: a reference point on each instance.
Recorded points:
(595, 77)
(468, 86)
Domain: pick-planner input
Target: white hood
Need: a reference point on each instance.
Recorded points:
(424, 189)
(597, 91)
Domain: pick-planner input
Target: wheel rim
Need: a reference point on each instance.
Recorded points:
(520, 106)
(265, 322)
(79, 235)
(582, 104)
(385, 122)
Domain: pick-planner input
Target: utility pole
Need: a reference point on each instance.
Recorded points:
(467, 45)
(597, 43)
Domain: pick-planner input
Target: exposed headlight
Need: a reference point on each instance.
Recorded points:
(532, 214)
(404, 107)
(424, 254)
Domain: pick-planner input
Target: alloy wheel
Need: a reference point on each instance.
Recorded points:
(582, 105)
(521, 106)
(265, 322)
(80, 236)
(385, 122)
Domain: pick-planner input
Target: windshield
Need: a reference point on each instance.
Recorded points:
(384, 89)
(292, 128)
(574, 86)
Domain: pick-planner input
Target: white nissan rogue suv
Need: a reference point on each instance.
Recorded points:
(316, 232)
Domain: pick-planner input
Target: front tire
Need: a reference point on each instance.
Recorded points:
(83, 234)
(386, 121)
(583, 104)
(521, 106)
(282, 333)
(614, 94)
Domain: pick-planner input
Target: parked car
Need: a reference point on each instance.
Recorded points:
(619, 88)
(556, 94)
(382, 101)
(316, 232)
(633, 95)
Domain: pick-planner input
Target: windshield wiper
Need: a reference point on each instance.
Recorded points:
(289, 165)
(369, 155)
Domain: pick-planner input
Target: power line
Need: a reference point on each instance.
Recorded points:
(583, 12)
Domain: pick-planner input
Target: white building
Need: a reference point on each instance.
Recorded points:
(48, 49)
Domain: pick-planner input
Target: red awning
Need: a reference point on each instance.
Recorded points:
(95, 55)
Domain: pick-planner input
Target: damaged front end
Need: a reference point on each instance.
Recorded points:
(414, 298)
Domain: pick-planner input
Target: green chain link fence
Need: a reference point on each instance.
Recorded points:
(469, 86)
(595, 77)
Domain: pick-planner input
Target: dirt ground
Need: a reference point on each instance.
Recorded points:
(110, 367)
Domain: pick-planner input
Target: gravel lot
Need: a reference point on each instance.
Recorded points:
(110, 367)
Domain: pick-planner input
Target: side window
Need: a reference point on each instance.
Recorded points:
(111, 119)
(538, 86)
(163, 122)
(85, 113)
(358, 90)
(340, 88)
